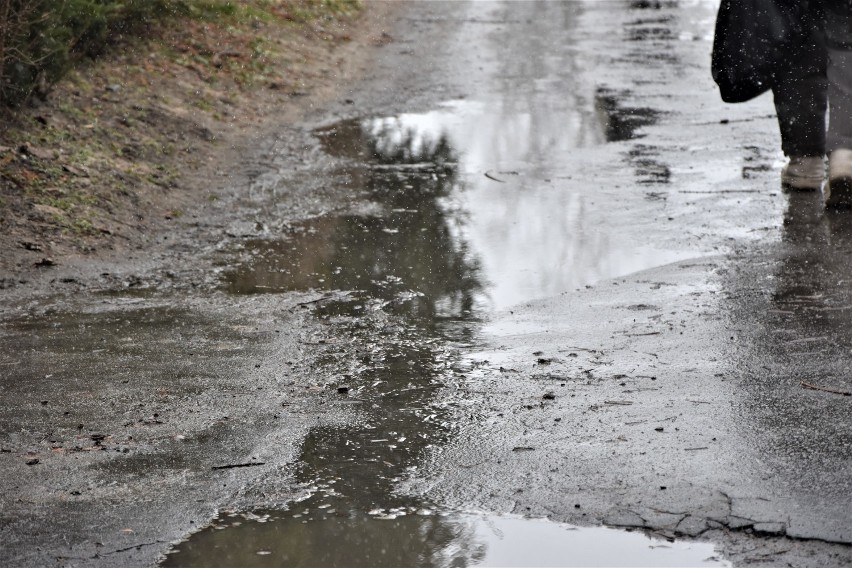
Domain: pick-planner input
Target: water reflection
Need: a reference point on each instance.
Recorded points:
(503, 237)
(488, 202)
(809, 327)
(340, 539)
(429, 539)
(798, 312)
(621, 122)
(406, 250)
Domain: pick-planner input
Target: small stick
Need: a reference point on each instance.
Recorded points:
(825, 389)
(233, 465)
(309, 302)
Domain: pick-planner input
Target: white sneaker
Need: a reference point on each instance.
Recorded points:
(803, 173)
(838, 190)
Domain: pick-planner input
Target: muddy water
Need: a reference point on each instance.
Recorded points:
(465, 209)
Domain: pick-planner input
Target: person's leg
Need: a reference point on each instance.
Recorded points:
(799, 89)
(838, 37)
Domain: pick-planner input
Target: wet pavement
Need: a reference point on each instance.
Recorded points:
(528, 288)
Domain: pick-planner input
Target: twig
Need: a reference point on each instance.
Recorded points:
(233, 465)
(134, 547)
(570, 348)
(309, 302)
(736, 120)
(490, 176)
(825, 389)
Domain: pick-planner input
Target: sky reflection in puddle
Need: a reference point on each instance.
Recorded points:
(533, 227)
(459, 190)
(329, 538)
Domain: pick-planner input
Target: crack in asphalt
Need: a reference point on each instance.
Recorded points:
(714, 524)
(134, 547)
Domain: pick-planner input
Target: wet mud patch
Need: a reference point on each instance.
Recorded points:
(622, 122)
(121, 410)
(650, 29)
(97, 361)
(650, 170)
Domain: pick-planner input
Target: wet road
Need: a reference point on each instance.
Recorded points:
(538, 270)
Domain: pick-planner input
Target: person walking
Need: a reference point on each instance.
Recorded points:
(813, 76)
(801, 50)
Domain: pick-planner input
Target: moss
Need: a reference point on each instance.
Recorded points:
(83, 226)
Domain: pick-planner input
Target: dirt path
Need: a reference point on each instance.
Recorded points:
(521, 279)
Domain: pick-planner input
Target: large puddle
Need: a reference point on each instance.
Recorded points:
(472, 207)
(440, 244)
(450, 207)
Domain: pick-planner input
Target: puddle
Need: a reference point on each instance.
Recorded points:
(493, 200)
(349, 472)
(424, 538)
(453, 226)
(621, 122)
(458, 218)
(352, 515)
(471, 207)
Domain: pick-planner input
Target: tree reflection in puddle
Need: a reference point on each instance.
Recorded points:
(405, 246)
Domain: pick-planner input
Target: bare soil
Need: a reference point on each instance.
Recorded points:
(129, 143)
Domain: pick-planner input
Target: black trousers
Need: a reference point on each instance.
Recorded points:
(816, 77)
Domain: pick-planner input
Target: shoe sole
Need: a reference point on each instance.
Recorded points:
(839, 193)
